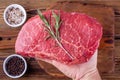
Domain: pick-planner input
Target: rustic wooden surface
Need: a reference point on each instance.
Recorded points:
(8, 37)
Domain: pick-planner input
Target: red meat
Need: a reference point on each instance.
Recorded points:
(79, 34)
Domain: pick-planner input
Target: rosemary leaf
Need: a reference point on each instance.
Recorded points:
(47, 26)
(57, 24)
(43, 18)
(53, 34)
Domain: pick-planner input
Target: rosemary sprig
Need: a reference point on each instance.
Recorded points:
(54, 34)
(57, 24)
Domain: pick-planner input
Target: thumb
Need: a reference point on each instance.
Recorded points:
(57, 64)
(53, 62)
(46, 60)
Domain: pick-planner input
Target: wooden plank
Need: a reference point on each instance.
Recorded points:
(117, 27)
(30, 6)
(117, 65)
(105, 59)
(107, 42)
(46, 3)
(117, 48)
(8, 37)
(111, 77)
(41, 77)
(110, 3)
(114, 4)
(117, 56)
(106, 48)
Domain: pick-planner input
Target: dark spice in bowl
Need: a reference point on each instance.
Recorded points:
(15, 66)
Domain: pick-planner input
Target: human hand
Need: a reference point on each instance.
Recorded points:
(84, 71)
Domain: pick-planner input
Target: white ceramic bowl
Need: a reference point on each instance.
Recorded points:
(7, 59)
(15, 6)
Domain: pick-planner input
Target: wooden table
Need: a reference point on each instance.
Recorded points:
(8, 36)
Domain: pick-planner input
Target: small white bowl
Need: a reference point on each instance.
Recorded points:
(7, 59)
(15, 6)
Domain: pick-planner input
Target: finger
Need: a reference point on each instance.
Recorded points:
(55, 63)
(46, 60)
(94, 57)
(93, 60)
(62, 67)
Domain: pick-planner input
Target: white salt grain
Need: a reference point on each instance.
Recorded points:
(14, 16)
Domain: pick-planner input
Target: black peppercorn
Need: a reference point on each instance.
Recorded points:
(15, 66)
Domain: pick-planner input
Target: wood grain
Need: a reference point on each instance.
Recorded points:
(117, 27)
(31, 5)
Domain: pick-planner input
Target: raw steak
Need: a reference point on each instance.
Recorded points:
(79, 34)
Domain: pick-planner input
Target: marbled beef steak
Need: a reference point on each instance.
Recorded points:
(79, 34)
